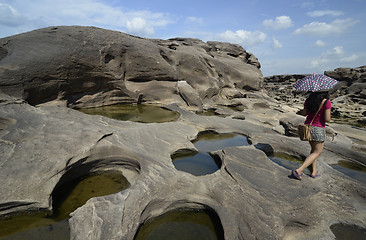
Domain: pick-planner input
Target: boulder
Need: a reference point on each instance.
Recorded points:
(188, 94)
(88, 67)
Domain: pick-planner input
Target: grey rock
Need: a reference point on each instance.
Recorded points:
(188, 94)
(362, 120)
(46, 146)
(290, 124)
(88, 66)
(348, 95)
(253, 197)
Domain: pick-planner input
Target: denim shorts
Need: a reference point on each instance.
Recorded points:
(318, 134)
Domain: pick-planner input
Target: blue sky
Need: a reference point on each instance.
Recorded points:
(287, 36)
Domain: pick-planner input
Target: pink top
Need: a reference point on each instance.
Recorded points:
(319, 120)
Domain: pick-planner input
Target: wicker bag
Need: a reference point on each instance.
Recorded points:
(304, 130)
(305, 133)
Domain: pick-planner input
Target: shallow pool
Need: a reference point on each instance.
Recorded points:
(136, 113)
(184, 224)
(289, 162)
(348, 232)
(67, 198)
(203, 162)
(352, 169)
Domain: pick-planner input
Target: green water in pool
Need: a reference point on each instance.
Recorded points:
(202, 162)
(136, 113)
(70, 196)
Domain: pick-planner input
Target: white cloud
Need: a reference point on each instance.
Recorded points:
(246, 38)
(284, 65)
(307, 4)
(336, 56)
(139, 25)
(349, 59)
(320, 43)
(9, 16)
(319, 13)
(30, 15)
(323, 29)
(195, 20)
(337, 51)
(281, 22)
(319, 63)
(276, 44)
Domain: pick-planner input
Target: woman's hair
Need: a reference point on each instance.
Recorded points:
(314, 100)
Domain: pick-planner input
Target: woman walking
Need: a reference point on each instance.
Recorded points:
(316, 101)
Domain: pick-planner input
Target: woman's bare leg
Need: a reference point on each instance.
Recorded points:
(313, 166)
(316, 150)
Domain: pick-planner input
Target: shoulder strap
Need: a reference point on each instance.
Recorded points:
(321, 105)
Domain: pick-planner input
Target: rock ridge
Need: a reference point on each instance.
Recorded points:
(348, 95)
(87, 67)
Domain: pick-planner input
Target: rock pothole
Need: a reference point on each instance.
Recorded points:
(348, 231)
(288, 161)
(203, 162)
(352, 169)
(84, 179)
(183, 223)
(66, 198)
(136, 113)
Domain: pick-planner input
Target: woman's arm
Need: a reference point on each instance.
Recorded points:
(327, 115)
(303, 112)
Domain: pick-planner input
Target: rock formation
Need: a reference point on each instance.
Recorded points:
(348, 96)
(88, 67)
(254, 198)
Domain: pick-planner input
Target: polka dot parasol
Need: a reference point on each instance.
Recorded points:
(315, 83)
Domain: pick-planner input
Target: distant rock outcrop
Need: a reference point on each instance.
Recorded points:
(348, 96)
(88, 67)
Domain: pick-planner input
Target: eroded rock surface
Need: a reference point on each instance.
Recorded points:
(87, 66)
(253, 197)
(348, 96)
(44, 146)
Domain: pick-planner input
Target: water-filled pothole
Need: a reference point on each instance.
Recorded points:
(211, 141)
(222, 111)
(348, 232)
(197, 164)
(287, 161)
(349, 121)
(209, 112)
(352, 169)
(203, 162)
(184, 224)
(66, 199)
(136, 113)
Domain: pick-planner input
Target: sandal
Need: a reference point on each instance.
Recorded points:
(296, 175)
